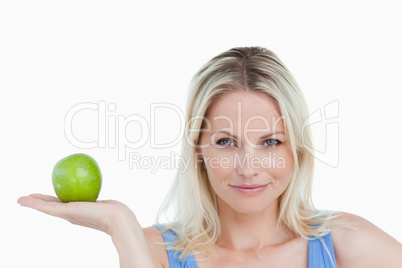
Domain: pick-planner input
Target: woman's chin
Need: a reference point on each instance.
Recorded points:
(249, 209)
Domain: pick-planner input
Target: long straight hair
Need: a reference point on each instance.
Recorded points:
(191, 196)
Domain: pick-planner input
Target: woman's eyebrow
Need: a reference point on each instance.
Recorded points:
(262, 137)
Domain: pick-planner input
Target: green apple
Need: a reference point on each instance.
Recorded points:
(77, 177)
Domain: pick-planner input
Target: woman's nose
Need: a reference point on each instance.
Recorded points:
(247, 163)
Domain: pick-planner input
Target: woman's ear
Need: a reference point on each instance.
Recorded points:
(198, 147)
(199, 154)
(200, 157)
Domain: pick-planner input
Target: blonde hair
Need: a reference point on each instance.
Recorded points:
(257, 69)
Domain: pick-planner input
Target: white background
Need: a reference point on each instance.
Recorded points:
(57, 54)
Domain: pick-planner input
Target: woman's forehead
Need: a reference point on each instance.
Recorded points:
(248, 109)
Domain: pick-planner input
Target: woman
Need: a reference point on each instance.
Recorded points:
(245, 198)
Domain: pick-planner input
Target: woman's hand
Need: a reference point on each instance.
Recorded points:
(100, 215)
(111, 217)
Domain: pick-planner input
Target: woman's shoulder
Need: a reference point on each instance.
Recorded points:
(155, 239)
(363, 245)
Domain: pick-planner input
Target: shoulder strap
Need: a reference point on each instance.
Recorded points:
(321, 252)
(174, 261)
(168, 236)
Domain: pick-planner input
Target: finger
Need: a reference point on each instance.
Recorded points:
(48, 198)
(23, 201)
(51, 208)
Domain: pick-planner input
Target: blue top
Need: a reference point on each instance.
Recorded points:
(317, 253)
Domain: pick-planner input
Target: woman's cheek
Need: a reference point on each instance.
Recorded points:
(218, 157)
(283, 163)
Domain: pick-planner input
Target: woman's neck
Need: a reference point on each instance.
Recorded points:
(251, 231)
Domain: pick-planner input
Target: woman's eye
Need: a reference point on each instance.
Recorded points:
(272, 142)
(230, 142)
(225, 142)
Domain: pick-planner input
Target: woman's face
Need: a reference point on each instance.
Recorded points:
(245, 151)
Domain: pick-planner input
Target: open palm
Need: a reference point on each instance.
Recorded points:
(99, 215)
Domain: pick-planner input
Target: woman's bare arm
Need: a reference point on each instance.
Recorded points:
(111, 217)
(368, 246)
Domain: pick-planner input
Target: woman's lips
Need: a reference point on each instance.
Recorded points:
(249, 188)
